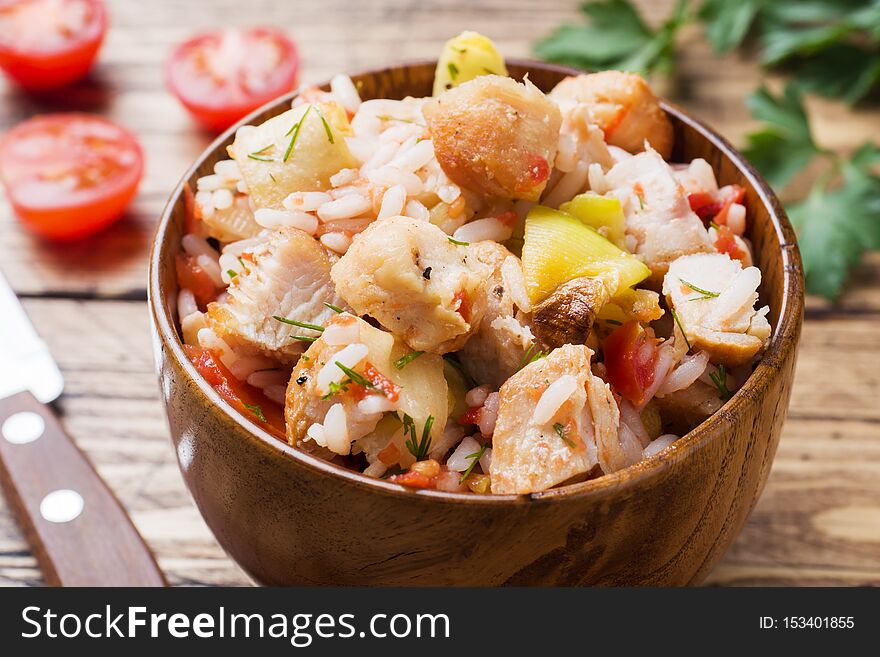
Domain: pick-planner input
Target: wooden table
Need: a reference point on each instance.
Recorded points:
(818, 521)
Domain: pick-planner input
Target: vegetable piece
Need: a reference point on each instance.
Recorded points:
(224, 75)
(559, 247)
(244, 398)
(45, 44)
(495, 136)
(604, 213)
(302, 157)
(192, 277)
(69, 175)
(630, 356)
(567, 315)
(464, 58)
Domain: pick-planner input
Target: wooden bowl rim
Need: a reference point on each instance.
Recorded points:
(782, 341)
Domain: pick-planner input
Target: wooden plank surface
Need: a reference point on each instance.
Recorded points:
(818, 521)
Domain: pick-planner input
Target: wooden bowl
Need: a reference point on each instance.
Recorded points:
(290, 518)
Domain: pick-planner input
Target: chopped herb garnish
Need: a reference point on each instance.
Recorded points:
(231, 273)
(303, 338)
(453, 70)
(326, 126)
(268, 369)
(532, 354)
(335, 388)
(714, 225)
(335, 309)
(260, 158)
(256, 410)
(641, 201)
(244, 266)
(719, 378)
(360, 379)
(418, 448)
(560, 431)
(293, 322)
(613, 322)
(405, 360)
(458, 243)
(386, 117)
(680, 328)
(459, 50)
(272, 177)
(294, 132)
(475, 458)
(707, 294)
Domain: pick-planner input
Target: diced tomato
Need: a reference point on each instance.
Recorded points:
(69, 175)
(383, 384)
(192, 220)
(472, 416)
(222, 76)
(414, 480)
(715, 206)
(725, 242)
(539, 169)
(246, 399)
(462, 305)
(704, 205)
(195, 279)
(630, 358)
(45, 44)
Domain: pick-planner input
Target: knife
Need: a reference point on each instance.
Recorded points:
(77, 529)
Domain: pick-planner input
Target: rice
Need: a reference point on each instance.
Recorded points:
(631, 418)
(486, 460)
(569, 185)
(244, 366)
(337, 242)
(689, 370)
(376, 403)
(489, 228)
(658, 445)
(393, 201)
(552, 399)
(211, 267)
(387, 176)
(336, 430)
(349, 357)
(344, 177)
(341, 333)
(269, 218)
(736, 218)
(222, 199)
(305, 201)
(207, 339)
(346, 207)
(458, 461)
(196, 246)
(414, 158)
(417, 210)
(476, 397)
(515, 283)
(186, 303)
(489, 414)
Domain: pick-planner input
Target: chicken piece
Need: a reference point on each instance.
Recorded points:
(407, 275)
(683, 410)
(623, 105)
(567, 315)
(658, 214)
(286, 275)
(548, 433)
(714, 299)
(498, 348)
(331, 407)
(495, 136)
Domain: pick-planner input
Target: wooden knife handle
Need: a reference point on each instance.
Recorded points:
(45, 477)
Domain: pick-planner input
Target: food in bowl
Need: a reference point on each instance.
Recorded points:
(491, 289)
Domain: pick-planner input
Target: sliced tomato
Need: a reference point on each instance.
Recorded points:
(69, 175)
(224, 75)
(195, 279)
(246, 399)
(630, 358)
(46, 44)
(725, 242)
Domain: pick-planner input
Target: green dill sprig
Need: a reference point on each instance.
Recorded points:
(243, 266)
(560, 431)
(258, 154)
(294, 132)
(388, 117)
(707, 294)
(719, 378)
(406, 359)
(475, 458)
(457, 242)
(326, 126)
(419, 448)
(532, 354)
(680, 327)
(335, 309)
(293, 322)
(359, 379)
(303, 338)
(256, 410)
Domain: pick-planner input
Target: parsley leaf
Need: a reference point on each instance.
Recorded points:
(727, 23)
(784, 146)
(615, 36)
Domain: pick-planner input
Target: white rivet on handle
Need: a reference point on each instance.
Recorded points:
(22, 428)
(62, 505)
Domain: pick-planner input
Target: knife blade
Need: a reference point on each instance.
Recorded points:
(77, 529)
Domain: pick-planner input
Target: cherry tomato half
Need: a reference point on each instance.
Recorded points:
(50, 43)
(630, 358)
(222, 76)
(69, 175)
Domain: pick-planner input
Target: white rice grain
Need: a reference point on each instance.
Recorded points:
(736, 218)
(222, 199)
(376, 469)
(209, 340)
(209, 183)
(344, 177)
(388, 176)
(569, 185)
(417, 210)
(186, 303)
(458, 461)
(336, 430)
(247, 365)
(349, 357)
(336, 242)
(515, 283)
(486, 460)
(658, 445)
(489, 228)
(305, 201)
(196, 246)
(689, 370)
(448, 193)
(341, 334)
(316, 433)
(212, 268)
(373, 404)
(476, 397)
(346, 207)
(269, 218)
(414, 158)
(392, 202)
(556, 394)
(345, 92)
